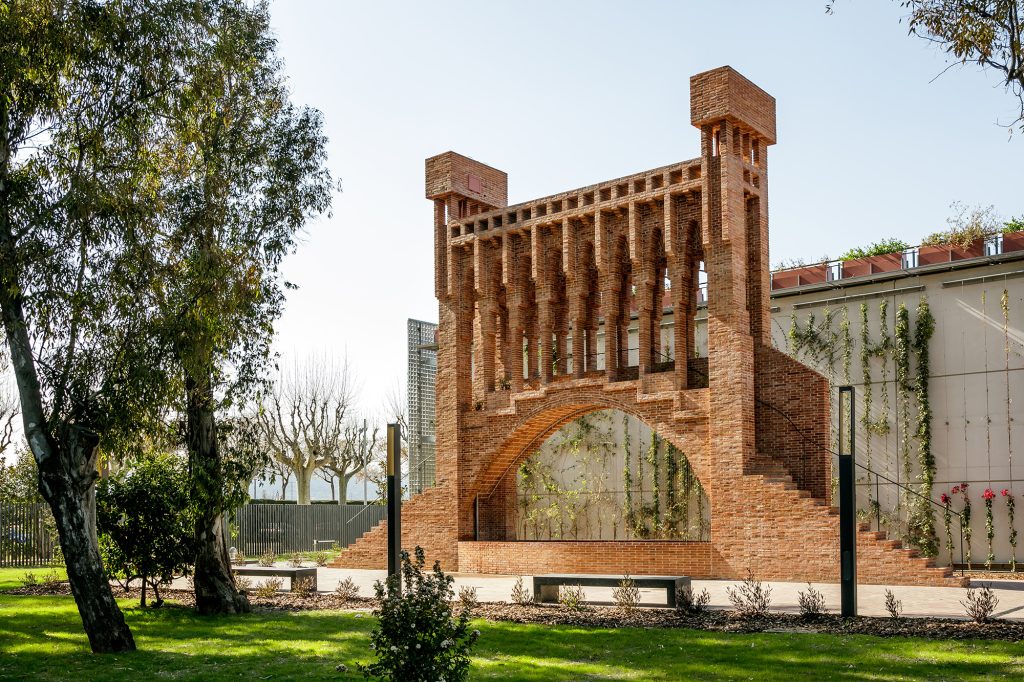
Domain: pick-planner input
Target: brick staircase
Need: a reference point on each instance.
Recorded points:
(879, 559)
(425, 518)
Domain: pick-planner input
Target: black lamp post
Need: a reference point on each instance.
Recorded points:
(847, 503)
(394, 493)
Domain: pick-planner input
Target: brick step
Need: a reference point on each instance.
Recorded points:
(869, 541)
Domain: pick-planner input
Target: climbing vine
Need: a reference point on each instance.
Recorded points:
(880, 426)
(652, 459)
(627, 478)
(922, 521)
(901, 354)
(585, 483)
(847, 347)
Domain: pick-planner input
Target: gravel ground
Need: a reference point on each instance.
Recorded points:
(716, 620)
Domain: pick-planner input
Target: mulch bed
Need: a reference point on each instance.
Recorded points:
(713, 620)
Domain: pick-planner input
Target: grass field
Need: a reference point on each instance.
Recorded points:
(41, 639)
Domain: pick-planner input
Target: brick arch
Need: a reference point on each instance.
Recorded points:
(544, 418)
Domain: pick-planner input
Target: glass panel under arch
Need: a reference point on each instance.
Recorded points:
(609, 476)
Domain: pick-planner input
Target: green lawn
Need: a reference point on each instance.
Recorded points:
(41, 638)
(11, 577)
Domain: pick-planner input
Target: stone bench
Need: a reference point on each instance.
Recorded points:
(545, 587)
(294, 574)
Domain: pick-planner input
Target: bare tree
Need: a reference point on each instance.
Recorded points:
(361, 448)
(8, 409)
(304, 419)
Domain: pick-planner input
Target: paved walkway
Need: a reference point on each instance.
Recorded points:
(917, 601)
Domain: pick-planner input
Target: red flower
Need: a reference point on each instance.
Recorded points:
(956, 489)
(988, 494)
(963, 486)
(945, 498)
(1005, 492)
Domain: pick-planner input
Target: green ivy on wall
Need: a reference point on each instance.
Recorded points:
(923, 521)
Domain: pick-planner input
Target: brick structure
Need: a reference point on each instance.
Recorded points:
(526, 291)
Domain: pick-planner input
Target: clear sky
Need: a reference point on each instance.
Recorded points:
(565, 94)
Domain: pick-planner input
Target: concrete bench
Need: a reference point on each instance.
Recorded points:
(545, 587)
(294, 574)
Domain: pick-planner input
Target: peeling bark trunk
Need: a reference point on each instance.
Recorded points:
(214, 583)
(67, 472)
(66, 483)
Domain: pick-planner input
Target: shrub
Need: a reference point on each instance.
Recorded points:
(876, 249)
(267, 559)
(812, 603)
(573, 598)
(239, 558)
(296, 559)
(347, 589)
(1013, 225)
(692, 604)
(627, 594)
(304, 587)
(966, 225)
(893, 605)
(980, 603)
(418, 637)
(50, 580)
(242, 583)
(29, 579)
(269, 587)
(145, 521)
(467, 598)
(320, 558)
(521, 595)
(751, 598)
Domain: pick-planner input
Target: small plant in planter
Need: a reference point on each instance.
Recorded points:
(418, 638)
(573, 598)
(980, 603)
(521, 595)
(266, 559)
(347, 589)
(468, 599)
(812, 603)
(689, 603)
(269, 587)
(296, 559)
(627, 594)
(320, 558)
(751, 598)
(893, 605)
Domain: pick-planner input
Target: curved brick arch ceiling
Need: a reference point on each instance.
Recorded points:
(547, 420)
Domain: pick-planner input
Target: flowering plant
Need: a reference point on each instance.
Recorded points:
(990, 530)
(947, 519)
(1013, 531)
(418, 638)
(965, 520)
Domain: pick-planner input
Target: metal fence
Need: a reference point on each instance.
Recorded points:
(28, 536)
(281, 528)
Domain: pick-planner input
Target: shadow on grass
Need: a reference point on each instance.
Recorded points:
(41, 638)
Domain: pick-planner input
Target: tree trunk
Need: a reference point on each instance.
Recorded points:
(214, 584)
(343, 489)
(66, 483)
(67, 471)
(303, 480)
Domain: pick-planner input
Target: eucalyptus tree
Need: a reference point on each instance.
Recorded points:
(246, 169)
(78, 80)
